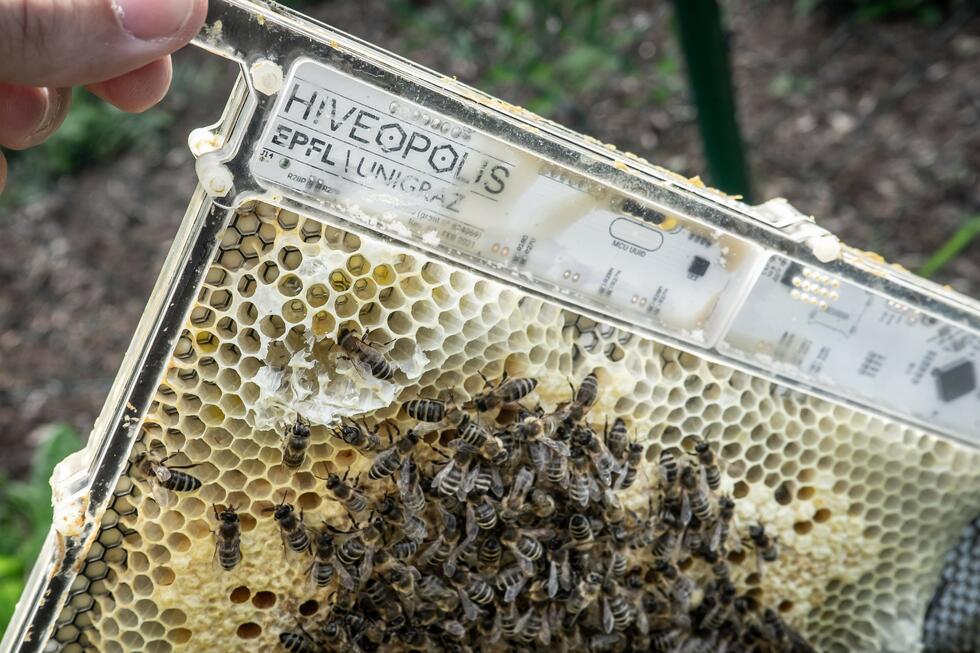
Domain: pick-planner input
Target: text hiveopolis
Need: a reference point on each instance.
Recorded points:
(338, 126)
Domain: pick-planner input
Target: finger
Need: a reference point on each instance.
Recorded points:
(3, 172)
(28, 115)
(138, 90)
(69, 42)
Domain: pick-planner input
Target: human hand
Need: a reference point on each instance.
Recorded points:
(118, 49)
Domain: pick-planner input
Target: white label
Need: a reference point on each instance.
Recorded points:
(458, 191)
(845, 339)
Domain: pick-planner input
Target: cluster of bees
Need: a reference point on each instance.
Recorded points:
(505, 529)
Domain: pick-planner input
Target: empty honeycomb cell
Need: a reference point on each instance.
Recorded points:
(272, 326)
(247, 314)
(264, 600)
(131, 640)
(246, 287)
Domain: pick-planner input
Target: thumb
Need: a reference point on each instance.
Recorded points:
(70, 42)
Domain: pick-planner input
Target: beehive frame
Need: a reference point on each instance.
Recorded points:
(884, 449)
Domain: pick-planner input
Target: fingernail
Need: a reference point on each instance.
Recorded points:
(153, 19)
(56, 102)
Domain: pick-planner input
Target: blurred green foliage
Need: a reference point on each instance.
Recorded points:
(542, 53)
(928, 11)
(25, 515)
(93, 132)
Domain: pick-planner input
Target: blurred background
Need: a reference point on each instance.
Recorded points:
(864, 113)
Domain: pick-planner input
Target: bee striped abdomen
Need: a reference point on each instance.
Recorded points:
(425, 410)
(181, 481)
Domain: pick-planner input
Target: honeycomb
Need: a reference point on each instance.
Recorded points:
(864, 508)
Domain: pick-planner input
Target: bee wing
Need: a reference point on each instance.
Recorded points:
(470, 611)
(552, 585)
(607, 616)
(454, 628)
(415, 528)
(346, 580)
(516, 588)
(469, 480)
(685, 509)
(604, 468)
(522, 483)
(526, 564)
(471, 527)
(161, 472)
(430, 551)
(440, 478)
(495, 631)
(642, 622)
(545, 633)
(496, 482)
(461, 445)
(161, 495)
(367, 565)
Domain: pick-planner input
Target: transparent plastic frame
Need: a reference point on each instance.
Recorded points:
(257, 36)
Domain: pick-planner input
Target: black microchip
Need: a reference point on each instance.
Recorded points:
(645, 213)
(698, 267)
(956, 380)
(793, 270)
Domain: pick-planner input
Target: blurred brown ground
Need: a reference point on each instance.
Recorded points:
(874, 129)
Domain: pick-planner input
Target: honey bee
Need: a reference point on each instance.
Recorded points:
(582, 399)
(617, 613)
(585, 593)
(602, 460)
(668, 468)
(541, 504)
(489, 556)
(438, 550)
(299, 642)
(526, 546)
(719, 532)
(352, 499)
(507, 391)
(485, 514)
(709, 464)
(485, 479)
(322, 567)
(426, 410)
(410, 488)
(410, 524)
(451, 479)
(579, 480)
(767, 549)
(388, 461)
(580, 529)
(360, 437)
(477, 437)
(295, 535)
(513, 504)
(296, 439)
(665, 542)
(627, 476)
(368, 360)
(228, 538)
(679, 587)
(511, 581)
(511, 622)
(617, 438)
(696, 496)
(360, 547)
(163, 477)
